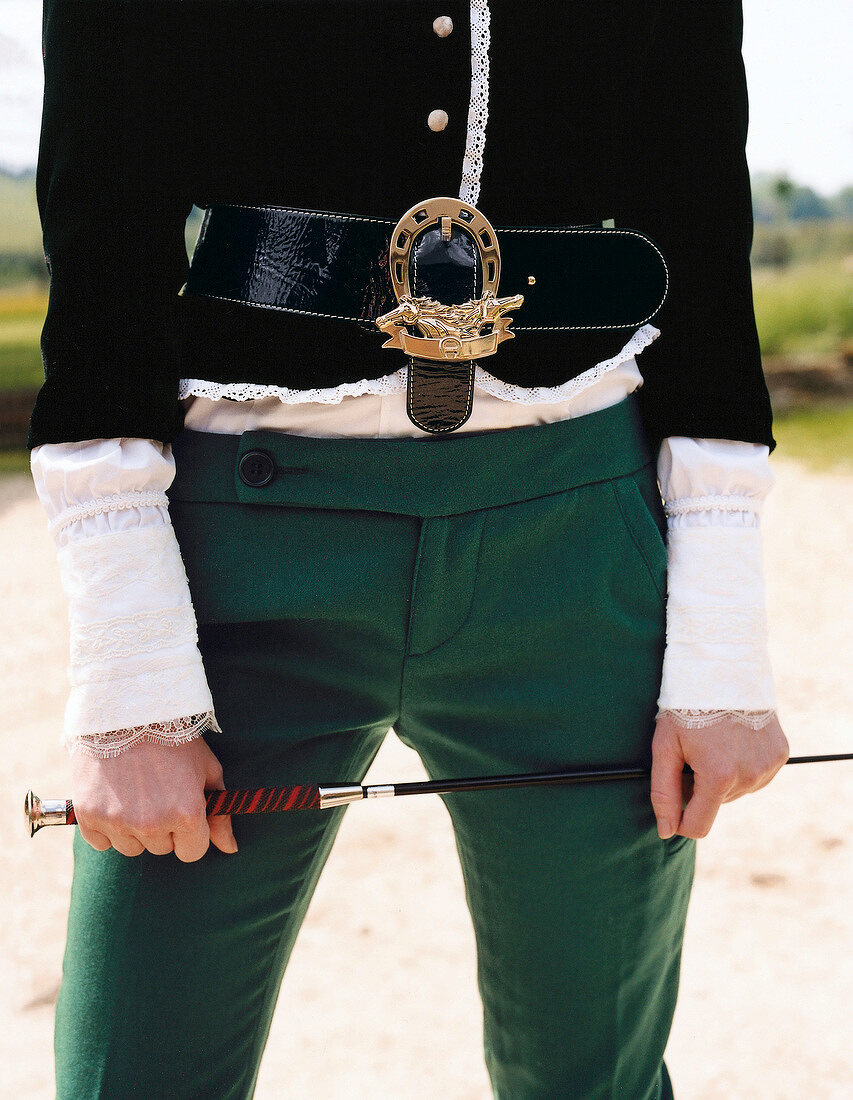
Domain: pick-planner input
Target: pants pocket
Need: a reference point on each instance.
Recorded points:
(641, 508)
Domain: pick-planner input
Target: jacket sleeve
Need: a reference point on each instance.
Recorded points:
(113, 205)
(689, 190)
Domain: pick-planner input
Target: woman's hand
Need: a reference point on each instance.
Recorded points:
(151, 797)
(728, 760)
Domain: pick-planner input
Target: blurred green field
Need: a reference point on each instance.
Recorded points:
(806, 307)
(21, 320)
(16, 461)
(821, 438)
(20, 231)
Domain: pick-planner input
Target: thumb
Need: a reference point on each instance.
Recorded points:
(221, 833)
(666, 786)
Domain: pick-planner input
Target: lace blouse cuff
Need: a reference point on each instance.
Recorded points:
(135, 669)
(716, 664)
(713, 482)
(98, 486)
(134, 665)
(716, 660)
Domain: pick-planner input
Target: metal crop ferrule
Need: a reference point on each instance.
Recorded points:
(470, 330)
(44, 811)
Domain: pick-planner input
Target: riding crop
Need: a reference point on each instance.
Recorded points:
(261, 800)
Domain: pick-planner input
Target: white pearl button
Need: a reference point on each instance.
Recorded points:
(442, 26)
(437, 120)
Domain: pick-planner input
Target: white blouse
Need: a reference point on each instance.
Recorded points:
(135, 669)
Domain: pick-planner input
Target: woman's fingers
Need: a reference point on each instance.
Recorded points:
(151, 797)
(666, 786)
(709, 793)
(128, 845)
(728, 759)
(221, 832)
(97, 840)
(192, 835)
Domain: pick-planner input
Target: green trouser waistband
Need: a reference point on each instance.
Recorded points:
(422, 477)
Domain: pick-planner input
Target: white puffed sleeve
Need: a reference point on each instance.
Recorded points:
(135, 669)
(716, 661)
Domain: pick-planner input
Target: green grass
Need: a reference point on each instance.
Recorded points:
(15, 462)
(806, 307)
(20, 230)
(21, 320)
(821, 438)
(22, 303)
(20, 362)
(20, 366)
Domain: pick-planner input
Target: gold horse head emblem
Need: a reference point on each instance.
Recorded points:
(429, 329)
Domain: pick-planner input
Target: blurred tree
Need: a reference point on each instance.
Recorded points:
(771, 249)
(841, 205)
(783, 191)
(805, 203)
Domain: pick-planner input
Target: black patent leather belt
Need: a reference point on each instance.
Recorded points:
(429, 282)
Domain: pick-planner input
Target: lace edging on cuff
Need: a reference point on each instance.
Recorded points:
(177, 731)
(700, 719)
(131, 498)
(722, 502)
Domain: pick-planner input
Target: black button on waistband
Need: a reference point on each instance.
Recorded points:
(256, 469)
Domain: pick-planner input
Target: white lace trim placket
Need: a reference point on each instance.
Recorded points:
(478, 109)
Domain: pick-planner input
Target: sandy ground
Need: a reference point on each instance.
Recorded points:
(380, 999)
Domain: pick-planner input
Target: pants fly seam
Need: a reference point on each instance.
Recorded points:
(469, 612)
(412, 597)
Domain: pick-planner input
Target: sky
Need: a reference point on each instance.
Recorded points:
(797, 58)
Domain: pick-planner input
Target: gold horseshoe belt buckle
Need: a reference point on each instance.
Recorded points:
(426, 328)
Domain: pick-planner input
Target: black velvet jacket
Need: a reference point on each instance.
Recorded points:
(630, 109)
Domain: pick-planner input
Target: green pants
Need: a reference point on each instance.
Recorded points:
(499, 600)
